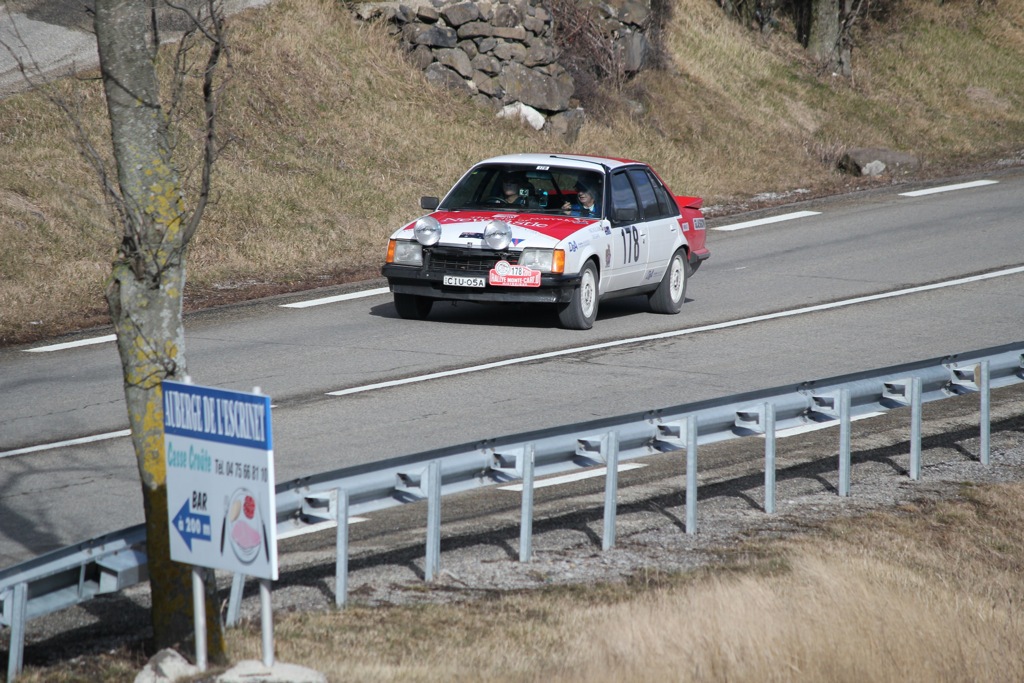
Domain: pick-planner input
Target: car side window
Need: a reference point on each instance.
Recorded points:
(623, 199)
(665, 200)
(645, 190)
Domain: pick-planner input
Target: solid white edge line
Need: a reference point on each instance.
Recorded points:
(335, 299)
(766, 221)
(677, 333)
(576, 476)
(69, 442)
(70, 345)
(949, 188)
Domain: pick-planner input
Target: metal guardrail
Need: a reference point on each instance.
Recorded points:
(72, 575)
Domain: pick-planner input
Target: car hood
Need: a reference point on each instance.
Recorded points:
(466, 228)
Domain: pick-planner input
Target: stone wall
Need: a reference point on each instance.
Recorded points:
(501, 53)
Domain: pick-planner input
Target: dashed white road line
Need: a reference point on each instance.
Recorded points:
(298, 304)
(70, 345)
(69, 442)
(339, 297)
(815, 426)
(949, 188)
(766, 221)
(575, 476)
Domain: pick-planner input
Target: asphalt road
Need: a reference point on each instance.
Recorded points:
(745, 326)
(44, 39)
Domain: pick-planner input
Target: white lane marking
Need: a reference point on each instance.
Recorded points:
(335, 299)
(71, 345)
(69, 442)
(948, 188)
(293, 532)
(766, 221)
(297, 304)
(594, 347)
(576, 476)
(815, 426)
(677, 333)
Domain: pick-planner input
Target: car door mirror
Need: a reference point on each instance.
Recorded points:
(626, 214)
(429, 203)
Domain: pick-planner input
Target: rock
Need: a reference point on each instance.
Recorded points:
(476, 29)
(421, 57)
(462, 13)
(509, 52)
(252, 671)
(524, 113)
(438, 74)
(166, 666)
(505, 16)
(633, 49)
(566, 124)
(487, 64)
(456, 60)
(430, 35)
(533, 88)
(427, 14)
(872, 161)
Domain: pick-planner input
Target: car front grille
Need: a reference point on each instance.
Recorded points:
(448, 260)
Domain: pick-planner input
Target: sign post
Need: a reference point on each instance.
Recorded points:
(220, 490)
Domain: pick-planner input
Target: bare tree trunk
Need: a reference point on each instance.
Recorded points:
(823, 37)
(146, 289)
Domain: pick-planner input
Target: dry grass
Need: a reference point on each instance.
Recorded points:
(927, 593)
(334, 138)
(923, 593)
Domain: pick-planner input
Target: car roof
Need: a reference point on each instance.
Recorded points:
(582, 161)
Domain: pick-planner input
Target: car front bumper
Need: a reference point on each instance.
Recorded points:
(423, 282)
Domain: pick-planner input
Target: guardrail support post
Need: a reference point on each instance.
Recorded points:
(986, 412)
(526, 519)
(16, 650)
(691, 474)
(915, 428)
(341, 559)
(844, 442)
(433, 559)
(611, 489)
(769, 457)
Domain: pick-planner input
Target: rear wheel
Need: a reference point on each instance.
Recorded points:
(412, 306)
(671, 292)
(580, 311)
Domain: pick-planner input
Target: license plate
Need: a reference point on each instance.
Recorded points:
(460, 281)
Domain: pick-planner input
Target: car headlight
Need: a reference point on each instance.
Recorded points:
(498, 235)
(427, 231)
(405, 252)
(544, 260)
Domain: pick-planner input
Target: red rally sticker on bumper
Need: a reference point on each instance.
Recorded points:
(504, 274)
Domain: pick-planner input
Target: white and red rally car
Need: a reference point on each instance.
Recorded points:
(567, 230)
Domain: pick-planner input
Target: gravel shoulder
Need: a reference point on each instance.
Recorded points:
(480, 529)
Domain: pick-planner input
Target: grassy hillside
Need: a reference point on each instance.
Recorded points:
(334, 138)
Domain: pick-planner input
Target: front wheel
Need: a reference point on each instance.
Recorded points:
(671, 292)
(412, 306)
(580, 311)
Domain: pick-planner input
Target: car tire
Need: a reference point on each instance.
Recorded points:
(580, 311)
(671, 292)
(413, 306)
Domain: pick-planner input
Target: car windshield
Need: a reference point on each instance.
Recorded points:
(528, 189)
